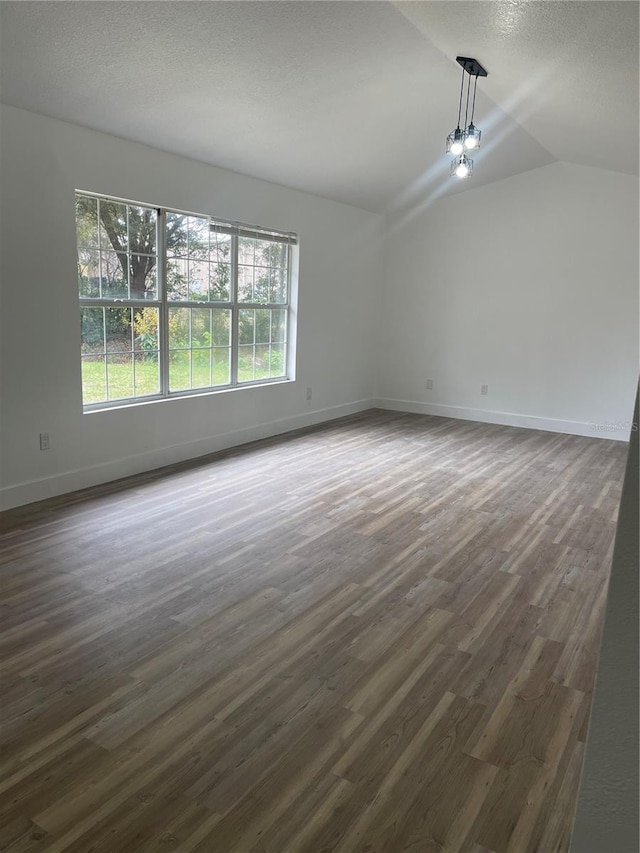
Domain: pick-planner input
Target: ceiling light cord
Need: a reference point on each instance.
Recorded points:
(466, 111)
(460, 103)
(473, 108)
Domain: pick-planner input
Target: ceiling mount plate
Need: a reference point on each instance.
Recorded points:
(471, 66)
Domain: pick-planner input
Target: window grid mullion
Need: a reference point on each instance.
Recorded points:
(104, 347)
(211, 377)
(255, 333)
(133, 355)
(91, 302)
(98, 220)
(270, 341)
(234, 310)
(174, 303)
(163, 319)
(190, 349)
(127, 256)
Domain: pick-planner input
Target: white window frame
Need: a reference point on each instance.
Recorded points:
(163, 304)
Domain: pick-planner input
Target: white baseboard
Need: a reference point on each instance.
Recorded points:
(71, 481)
(615, 431)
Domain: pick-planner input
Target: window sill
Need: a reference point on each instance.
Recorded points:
(181, 395)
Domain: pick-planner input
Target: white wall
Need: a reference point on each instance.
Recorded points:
(528, 285)
(43, 162)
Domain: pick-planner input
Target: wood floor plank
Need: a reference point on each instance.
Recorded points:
(379, 634)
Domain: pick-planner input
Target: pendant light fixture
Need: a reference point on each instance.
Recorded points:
(460, 140)
(462, 166)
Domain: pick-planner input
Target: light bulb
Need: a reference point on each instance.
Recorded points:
(461, 167)
(455, 142)
(472, 137)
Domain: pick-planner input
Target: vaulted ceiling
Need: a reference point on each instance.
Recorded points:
(348, 100)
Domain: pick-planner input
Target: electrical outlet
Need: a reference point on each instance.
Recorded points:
(44, 441)
(429, 385)
(308, 394)
(484, 390)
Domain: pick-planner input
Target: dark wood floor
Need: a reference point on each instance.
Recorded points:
(376, 636)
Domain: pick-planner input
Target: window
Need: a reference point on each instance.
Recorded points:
(173, 303)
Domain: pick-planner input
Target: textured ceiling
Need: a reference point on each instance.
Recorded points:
(348, 100)
(567, 72)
